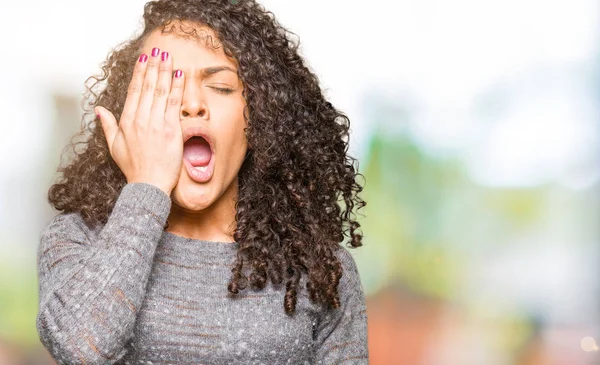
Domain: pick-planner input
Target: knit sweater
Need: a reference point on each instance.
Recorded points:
(129, 292)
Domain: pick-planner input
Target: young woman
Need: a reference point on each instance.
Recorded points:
(202, 222)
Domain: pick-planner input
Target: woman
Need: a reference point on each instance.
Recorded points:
(201, 223)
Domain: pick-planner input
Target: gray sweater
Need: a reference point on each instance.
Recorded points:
(130, 292)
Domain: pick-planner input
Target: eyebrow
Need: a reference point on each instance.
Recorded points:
(209, 71)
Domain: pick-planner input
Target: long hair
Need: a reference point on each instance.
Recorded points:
(298, 189)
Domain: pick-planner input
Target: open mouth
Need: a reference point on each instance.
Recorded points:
(198, 152)
(198, 156)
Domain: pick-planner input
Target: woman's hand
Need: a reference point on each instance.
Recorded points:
(147, 144)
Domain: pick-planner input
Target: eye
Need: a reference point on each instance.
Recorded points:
(222, 90)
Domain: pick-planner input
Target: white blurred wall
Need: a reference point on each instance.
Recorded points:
(507, 86)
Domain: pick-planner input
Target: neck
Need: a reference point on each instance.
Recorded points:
(214, 223)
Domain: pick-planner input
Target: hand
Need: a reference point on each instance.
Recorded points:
(147, 144)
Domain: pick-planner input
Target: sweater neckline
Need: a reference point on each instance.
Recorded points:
(218, 246)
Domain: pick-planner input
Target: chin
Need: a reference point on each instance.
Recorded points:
(193, 196)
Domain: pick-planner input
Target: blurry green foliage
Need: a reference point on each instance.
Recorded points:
(18, 302)
(425, 218)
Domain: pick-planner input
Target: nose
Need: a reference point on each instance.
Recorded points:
(192, 103)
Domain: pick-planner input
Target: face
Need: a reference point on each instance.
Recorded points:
(219, 113)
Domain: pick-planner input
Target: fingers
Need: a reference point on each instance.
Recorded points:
(150, 87)
(175, 97)
(109, 125)
(134, 91)
(163, 89)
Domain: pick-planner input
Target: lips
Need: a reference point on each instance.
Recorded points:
(199, 153)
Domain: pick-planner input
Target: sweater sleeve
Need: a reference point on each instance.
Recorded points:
(341, 334)
(93, 282)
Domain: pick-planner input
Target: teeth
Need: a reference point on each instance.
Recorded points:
(201, 168)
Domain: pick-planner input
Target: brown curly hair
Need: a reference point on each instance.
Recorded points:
(297, 173)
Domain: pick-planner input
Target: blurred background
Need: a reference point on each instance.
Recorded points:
(477, 128)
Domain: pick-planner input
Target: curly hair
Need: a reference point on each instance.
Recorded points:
(298, 189)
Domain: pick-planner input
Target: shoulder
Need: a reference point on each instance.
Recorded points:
(346, 257)
(350, 280)
(66, 226)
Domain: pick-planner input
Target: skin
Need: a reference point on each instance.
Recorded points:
(204, 211)
(305, 208)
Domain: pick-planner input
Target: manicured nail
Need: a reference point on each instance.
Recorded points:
(178, 73)
(155, 52)
(164, 56)
(143, 58)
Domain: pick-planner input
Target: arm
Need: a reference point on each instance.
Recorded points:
(91, 285)
(341, 334)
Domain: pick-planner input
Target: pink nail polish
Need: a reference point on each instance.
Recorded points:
(164, 56)
(155, 52)
(178, 73)
(143, 58)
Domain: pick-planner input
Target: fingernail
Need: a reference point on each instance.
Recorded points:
(143, 58)
(155, 52)
(178, 73)
(164, 56)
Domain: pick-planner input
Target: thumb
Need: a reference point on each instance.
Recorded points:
(109, 124)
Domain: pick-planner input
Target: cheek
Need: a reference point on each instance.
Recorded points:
(230, 133)
(232, 143)
(236, 128)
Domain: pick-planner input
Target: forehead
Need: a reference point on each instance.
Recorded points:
(189, 44)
